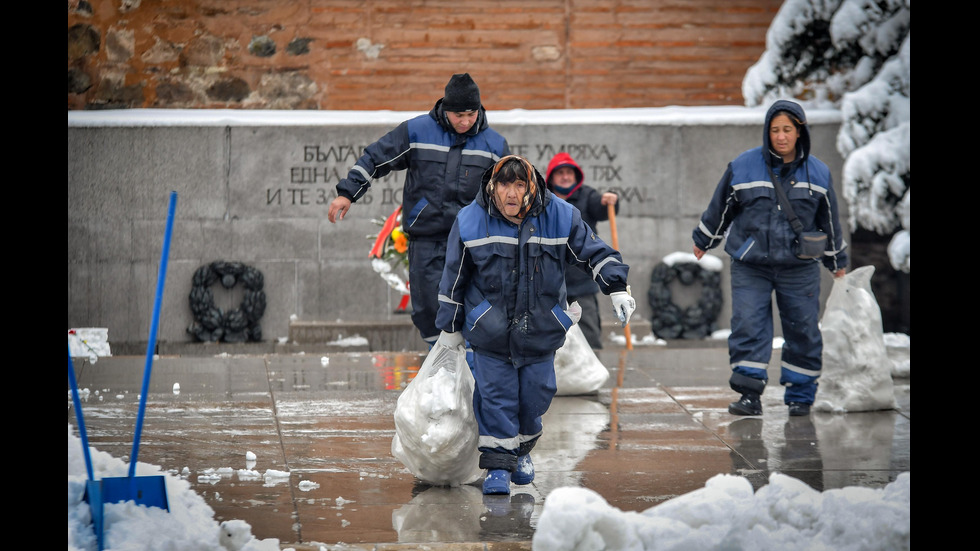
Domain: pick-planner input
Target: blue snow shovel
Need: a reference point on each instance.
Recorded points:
(143, 490)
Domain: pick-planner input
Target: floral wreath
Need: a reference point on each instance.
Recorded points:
(238, 325)
(389, 255)
(670, 321)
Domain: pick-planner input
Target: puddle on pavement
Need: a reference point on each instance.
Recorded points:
(367, 371)
(328, 421)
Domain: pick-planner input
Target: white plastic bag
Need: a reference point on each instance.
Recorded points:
(436, 433)
(857, 372)
(577, 369)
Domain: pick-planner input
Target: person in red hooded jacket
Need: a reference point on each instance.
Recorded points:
(566, 180)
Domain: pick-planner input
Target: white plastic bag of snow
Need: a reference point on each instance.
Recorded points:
(857, 372)
(577, 369)
(435, 428)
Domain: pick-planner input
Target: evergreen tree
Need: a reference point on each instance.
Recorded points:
(852, 55)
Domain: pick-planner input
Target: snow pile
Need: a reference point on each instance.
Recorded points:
(189, 523)
(725, 514)
(356, 340)
(900, 351)
(709, 262)
(89, 342)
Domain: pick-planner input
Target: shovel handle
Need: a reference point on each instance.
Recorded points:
(611, 208)
(154, 325)
(77, 403)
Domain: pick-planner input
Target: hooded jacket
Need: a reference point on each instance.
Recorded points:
(444, 168)
(745, 211)
(503, 285)
(589, 202)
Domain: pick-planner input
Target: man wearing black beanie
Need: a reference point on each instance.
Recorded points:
(444, 154)
(462, 94)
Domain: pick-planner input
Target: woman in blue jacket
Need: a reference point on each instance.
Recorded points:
(745, 212)
(503, 290)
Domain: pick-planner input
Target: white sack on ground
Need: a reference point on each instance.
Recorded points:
(435, 428)
(577, 369)
(857, 372)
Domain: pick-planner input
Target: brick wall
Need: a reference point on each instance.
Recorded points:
(398, 55)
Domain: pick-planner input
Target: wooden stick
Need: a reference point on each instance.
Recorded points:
(615, 244)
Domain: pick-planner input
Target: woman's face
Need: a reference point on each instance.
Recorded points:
(510, 197)
(782, 136)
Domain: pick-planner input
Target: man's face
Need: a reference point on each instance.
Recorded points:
(509, 197)
(563, 176)
(462, 121)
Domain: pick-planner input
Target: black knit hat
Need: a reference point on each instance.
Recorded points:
(462, 94)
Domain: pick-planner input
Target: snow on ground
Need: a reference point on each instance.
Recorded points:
(189, 525)
(725, 514)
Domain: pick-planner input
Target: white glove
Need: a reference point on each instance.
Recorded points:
(451, 340)
(574, 311)
(623, 305)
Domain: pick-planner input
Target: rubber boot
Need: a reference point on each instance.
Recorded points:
(497, 482)
(525, 470)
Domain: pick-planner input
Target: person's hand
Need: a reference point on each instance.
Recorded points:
(840, 273)
(698, 253)
(451, 340)
(574, 311)
(338, 209)
(609, 198)
(623, 305)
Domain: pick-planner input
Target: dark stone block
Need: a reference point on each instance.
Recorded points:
(262, 46)
(229, 89)
(299, 46)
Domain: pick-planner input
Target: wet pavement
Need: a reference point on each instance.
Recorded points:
(657, 429)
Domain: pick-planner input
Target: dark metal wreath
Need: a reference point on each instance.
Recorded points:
(669, 321)
(238, 325)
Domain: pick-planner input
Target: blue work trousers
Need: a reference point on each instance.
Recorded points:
(797, 290)
(426, 259)
(508, 402)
